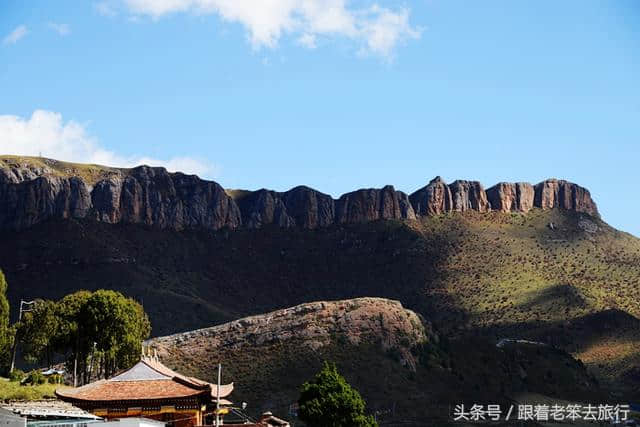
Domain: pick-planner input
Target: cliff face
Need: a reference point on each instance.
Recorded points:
(469, 195)
(558, 193)
(373, 204)
(35, 190)
(434, 199)
(142, 195)
(438, 197)
(300, 206)
(511, 197)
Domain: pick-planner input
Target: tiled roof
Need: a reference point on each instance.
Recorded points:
(142, 371)
(130, 390)
(46, 408)
(147, 380)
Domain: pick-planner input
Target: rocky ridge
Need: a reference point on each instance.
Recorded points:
(312, 325)
(33, 190)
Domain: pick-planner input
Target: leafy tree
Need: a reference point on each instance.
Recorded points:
(37, 332)
(329, 401)
(6, 332)
(99, 332)
(117, 325)
(68, 339)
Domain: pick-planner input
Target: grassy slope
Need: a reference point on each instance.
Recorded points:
(269, 377)
(514, 276)
(88, 172)
(493, 275)
(10, 390)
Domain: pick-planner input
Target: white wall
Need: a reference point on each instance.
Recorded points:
(9, 419)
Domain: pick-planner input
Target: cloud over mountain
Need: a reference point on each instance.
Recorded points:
(46, 133)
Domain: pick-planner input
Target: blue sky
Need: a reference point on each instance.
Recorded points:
(334, 94)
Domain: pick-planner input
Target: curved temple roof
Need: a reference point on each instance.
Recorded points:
(146, 380)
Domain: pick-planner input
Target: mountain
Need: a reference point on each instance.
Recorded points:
(514, 261)
(406, 372)
(33, 190)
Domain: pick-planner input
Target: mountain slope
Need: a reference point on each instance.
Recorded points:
(502, 275)
(515, 261)
(403, 369)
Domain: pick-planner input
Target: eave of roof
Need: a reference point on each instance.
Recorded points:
(146, 380)
(131, 390)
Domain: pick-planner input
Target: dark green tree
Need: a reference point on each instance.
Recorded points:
(6, 332)
(68, 339)
(329, 401)
(117, 325)
(37, 332)
(98, 332)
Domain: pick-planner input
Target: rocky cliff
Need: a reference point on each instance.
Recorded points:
(312, 325)
(33, 190)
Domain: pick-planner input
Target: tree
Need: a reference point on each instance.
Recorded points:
(117, 325)
(329, 401)
(6, 332)
(37, 332)
(68, 339)
(99, 332)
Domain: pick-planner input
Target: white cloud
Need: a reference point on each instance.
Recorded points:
(384, 29)
(104, 9)
(377, 30)
(308, 40)
(62, 29)
(46, 133)
(15, 35)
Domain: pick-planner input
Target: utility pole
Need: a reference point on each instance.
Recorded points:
(15, 338)
(93, 350)
(75, 361)
(218, 396)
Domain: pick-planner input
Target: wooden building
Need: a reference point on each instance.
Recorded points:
(150, 390)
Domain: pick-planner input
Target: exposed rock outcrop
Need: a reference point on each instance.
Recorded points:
(309, 208)
(33, 190)
(142, 195)
(511, 197)
(438, 198)
(263, 207)
(29, 202)
(301, 206)
(373, 204)
(313, 325)
(467, 196)
(434, 199)
(554, 193)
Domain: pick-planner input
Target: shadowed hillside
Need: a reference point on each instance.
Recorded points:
(514, 261)
(498, 274)
(406, 372)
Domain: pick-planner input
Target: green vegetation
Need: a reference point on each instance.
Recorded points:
(16, 375)
(37, 332)
(100, 331)
(10, 390)
(6, 332)
(35, 377)
(329, 401)
(268, 376)
(490, 275)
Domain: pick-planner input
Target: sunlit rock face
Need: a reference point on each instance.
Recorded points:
(35, 190)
